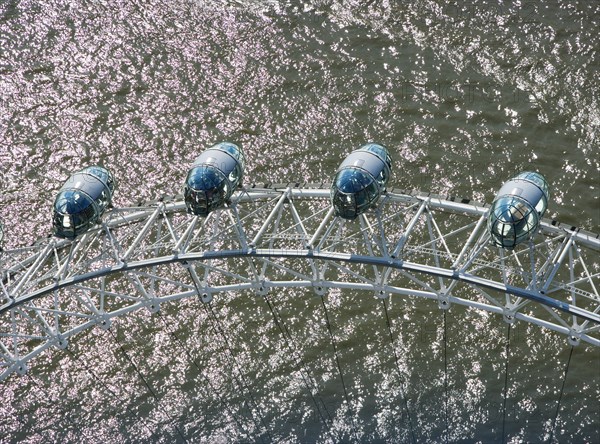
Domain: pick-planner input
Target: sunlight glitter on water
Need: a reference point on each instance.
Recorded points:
(464, 96)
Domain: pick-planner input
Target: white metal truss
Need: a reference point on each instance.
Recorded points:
(412, 244)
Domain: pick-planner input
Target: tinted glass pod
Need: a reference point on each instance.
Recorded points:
(213, 177)
(360, 180)
(517, 209)
(81, 201)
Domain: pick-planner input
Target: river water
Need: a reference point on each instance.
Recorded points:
(464, 94)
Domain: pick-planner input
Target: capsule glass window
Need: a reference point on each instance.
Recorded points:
(236, 175)
(206, 189)
(205, 177)
(517, 209)
(537, 179)
(106, 177)
(384, 155)
(512, 221)
(234, 151)
(352, 180)
(103, 174)
(354, 191)
(379, 151)
(82, 200)
(345, 205)
(74, 212)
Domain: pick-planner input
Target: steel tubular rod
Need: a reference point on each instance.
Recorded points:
(470, 241)
(143, 233)
(558, 262)
(298, 224)
(356, 252)
(409, 229)
(327, 256)
(265, 225)
(181, 245)
(36, 265)
(322, 226)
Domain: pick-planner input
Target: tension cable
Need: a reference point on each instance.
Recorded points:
(337, 360)
(108, 389)
(214, 390)
(505, 382)
(562, 389)
(220, 332)
(446, 375)
(150, 389)
(300, 365)
(401, 379)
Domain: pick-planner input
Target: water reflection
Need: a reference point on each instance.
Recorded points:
(464, 95)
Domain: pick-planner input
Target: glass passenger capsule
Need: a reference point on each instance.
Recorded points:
(213, 177)
(81, 201)
(517, 209)
(360, 180)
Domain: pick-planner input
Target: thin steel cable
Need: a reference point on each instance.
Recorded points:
(337, 360)
(562, 389)
(209, 382)
(216, 326)
(300, 366)
(137, 370)
(220, 332)
(38, 386)
(446, 375)
(308, 371)
(505, 383)
(109, 390)
(400, 378)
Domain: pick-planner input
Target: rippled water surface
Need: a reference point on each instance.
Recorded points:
(464, 94)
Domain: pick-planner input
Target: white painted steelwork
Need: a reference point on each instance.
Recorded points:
(412, 244)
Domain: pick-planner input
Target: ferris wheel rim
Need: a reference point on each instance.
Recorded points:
(309, 254)
(273, 198)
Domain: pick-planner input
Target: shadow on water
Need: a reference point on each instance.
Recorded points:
(465, 94)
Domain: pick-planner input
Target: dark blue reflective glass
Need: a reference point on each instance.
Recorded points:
(82, 200)
(352, 180)
(353, 192)
(379, 151)
(204, 178)
(206, 190)
(74, 213)
(234, 151)
(103, 174)
(71, 202)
